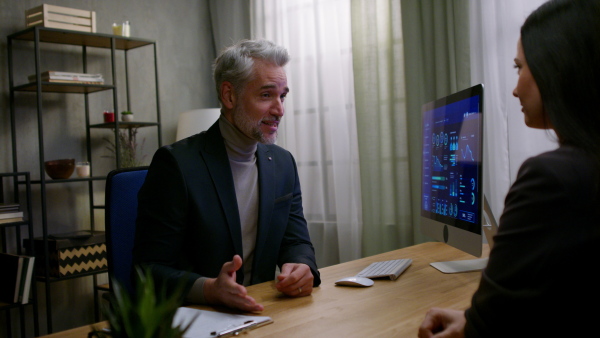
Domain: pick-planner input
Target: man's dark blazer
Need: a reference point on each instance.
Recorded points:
(188, 222)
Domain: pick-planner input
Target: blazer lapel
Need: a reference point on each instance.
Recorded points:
(219, 169)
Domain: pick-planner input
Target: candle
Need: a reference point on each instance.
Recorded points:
(83, 169)
(117, 29)
(109, 116)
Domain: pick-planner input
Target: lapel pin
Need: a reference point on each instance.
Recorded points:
(269, 158)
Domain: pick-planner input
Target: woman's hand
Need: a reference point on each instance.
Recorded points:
(443, 323)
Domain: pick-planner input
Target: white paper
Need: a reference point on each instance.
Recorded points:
(208, 322)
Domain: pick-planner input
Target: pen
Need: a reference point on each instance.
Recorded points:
(235, 330)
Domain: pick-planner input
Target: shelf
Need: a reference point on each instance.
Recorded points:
(67, 180)
(75, 179)
(58, 87)
(14, 224)
(38, 37)
(78, 275)
(6, 306)
(124, 125)
(76, 38)
(26, 221)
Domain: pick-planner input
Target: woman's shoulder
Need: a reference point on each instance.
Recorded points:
(569, 166)
(563, 158)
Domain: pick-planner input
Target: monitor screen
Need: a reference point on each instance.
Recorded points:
(451, 181)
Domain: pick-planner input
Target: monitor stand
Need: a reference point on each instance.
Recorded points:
(478, 264)
(466, 265)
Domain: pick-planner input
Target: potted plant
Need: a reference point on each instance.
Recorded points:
(128, 148)
(143, 313)
(126, 116)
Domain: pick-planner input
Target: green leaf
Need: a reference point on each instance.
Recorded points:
(148, 313)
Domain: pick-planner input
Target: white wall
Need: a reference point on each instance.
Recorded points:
(495, 27)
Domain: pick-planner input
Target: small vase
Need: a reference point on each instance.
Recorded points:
(127, 117)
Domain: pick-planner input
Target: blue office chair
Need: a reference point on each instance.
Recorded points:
(122, 186)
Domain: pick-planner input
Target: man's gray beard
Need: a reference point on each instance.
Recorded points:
(250, 128)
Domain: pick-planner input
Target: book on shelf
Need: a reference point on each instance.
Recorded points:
(26, 276)
(10, 214)
(53, 73)
(10, 283)
(16, 281)
(70, 77)
(54, 76)
(9, 207)
(72, 81)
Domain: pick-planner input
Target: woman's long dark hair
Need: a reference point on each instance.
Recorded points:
(561, 43)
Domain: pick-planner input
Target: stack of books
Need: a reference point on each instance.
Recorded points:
(10, 212)
(68, 77)
(15, 283)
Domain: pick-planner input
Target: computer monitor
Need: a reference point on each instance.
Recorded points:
(452, 199)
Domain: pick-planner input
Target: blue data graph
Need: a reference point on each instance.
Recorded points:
(467, 154)
(437, 164)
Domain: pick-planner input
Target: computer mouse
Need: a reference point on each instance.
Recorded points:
(355, 281)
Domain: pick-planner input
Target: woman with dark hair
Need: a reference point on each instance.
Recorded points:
(538, 282)
(561, 40)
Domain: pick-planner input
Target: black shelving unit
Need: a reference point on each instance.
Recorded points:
(37, 35)
(19, 178)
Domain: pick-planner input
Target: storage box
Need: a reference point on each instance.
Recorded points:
(61, 17)
(71, 255)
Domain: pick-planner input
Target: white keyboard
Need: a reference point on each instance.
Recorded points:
(392, 269)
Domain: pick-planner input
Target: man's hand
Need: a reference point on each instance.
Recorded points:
(443, 323)
(295, 280)
(224, 289)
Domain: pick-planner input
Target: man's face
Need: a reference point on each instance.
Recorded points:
(259, 109)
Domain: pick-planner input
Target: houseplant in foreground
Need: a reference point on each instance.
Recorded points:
(144, 313)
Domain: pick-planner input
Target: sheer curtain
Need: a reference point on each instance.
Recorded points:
(378, 50)
(422, 43)
(230, 22)
(495, 27)
(319, 126)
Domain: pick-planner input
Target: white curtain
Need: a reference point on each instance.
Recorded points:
(378, 49)
(319, 126)
(495, 27)
(435, 39)
(230, 22)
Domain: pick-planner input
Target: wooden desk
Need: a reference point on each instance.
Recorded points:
(388, 308)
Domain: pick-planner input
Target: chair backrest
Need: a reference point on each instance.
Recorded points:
(122, 187)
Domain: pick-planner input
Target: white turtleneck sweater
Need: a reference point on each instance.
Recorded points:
(241, 151)
(242, 157)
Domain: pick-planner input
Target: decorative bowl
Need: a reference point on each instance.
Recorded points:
(60, 169)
